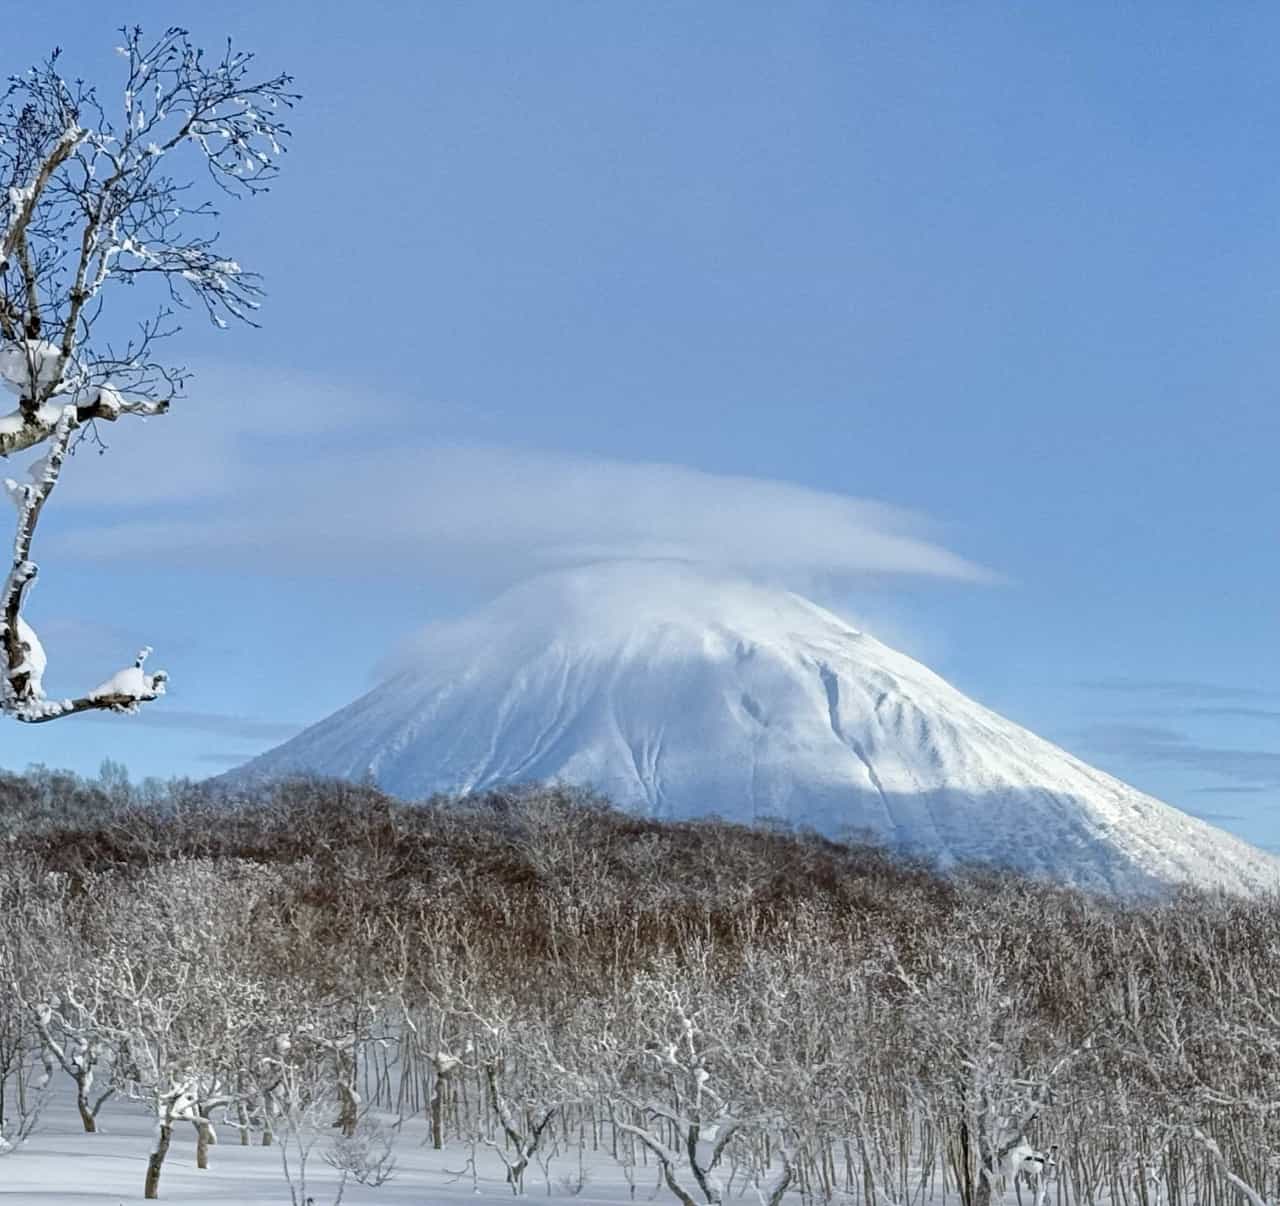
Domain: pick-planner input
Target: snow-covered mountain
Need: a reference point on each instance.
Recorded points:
(681, 693)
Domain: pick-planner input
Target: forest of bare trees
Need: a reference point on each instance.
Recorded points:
(722, 1011)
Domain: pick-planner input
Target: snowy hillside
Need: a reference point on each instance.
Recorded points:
(679, 693)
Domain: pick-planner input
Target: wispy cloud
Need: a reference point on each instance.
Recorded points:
(1170, 688)
(1237, 789)
(1165, 746)
(1238, 713)
(216, 723)
(304, 479)
(218, 759)
(1220, 818)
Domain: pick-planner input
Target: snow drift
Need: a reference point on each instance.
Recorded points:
(680, 693)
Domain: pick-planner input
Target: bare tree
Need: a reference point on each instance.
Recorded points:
(368, 1156)
(190, 1023)
(47, 1000)
(71, 1034)
(665, 1094)
(524, 1139)
(307, 1098)
(17, 1035)
(98, 196)
(26, 1067)
(986, 1055)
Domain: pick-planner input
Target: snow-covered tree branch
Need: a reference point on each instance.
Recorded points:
(94, 196)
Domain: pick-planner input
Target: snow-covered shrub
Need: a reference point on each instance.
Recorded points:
(367, 1155)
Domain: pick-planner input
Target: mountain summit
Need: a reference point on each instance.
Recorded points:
(679, 693)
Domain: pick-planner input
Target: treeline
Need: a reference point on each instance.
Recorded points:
(728, 1008)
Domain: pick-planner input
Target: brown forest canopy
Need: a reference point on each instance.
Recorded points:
(519, 865)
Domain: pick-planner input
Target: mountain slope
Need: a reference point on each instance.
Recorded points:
(681, 693)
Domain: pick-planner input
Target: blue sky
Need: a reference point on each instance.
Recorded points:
(1011, 271)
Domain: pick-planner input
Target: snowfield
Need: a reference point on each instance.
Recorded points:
(63, 1166)
(679, 693)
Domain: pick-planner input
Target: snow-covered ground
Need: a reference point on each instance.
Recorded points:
(62, 1166)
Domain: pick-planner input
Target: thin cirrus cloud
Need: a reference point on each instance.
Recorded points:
(1171, 688)
(214, 758)
(1255, 770)
(218, 724)
(261, 486)
(1238, 713)
(1159, 745)
(1235, 789)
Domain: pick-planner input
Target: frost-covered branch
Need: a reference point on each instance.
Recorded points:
(23, 200)
(1211, 1148)
(23, 689)
(93, 197)
(525, 1142)
(668, 1158)
(73, 1038)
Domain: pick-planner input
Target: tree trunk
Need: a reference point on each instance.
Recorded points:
(966, 1166)
(349, 1099)
(205, 1139)
(988, 1170)
(515, 1172)
(437, 1113)
(86, 1113)
(151, 1190)
(349, 1115)
(669, 1175)
(782, 1184)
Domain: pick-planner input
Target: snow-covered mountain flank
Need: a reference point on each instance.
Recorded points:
(681, 693)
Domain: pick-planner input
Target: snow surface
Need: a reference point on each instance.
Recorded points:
(32, 360)
(47, 415)
(131, 681)
(110, 400)
(680, 693)
(37, 660)
(61, 1166)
